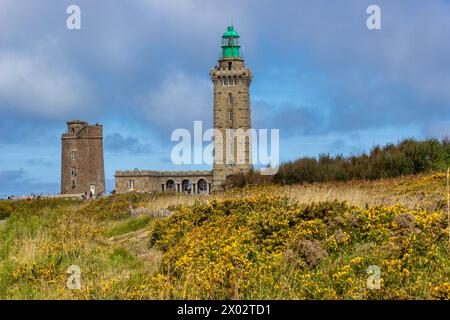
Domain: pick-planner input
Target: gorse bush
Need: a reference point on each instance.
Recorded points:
(393, 160)
(5, 209)
(250, 243)
(266, 247)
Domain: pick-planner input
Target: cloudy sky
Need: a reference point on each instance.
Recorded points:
(140, 68)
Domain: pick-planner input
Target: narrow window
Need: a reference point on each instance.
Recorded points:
(73, 184)
(229, 82)
(229, 65)
(73, 155)
(131, 185)
(230, 98)
(74, 171)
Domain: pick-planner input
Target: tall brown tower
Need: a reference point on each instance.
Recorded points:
(231, 79)
(82, 168)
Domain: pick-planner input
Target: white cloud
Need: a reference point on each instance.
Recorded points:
(32, 85)
(178, 101)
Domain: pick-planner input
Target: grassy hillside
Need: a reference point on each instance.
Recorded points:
(313, 241)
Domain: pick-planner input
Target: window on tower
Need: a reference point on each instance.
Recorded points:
(73, 155)
(230, 98)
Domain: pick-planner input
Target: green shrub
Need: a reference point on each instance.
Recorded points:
(405, 158)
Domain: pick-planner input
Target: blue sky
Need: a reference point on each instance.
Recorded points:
(140, 68)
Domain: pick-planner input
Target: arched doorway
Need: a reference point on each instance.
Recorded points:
(186, 186)
(202, 186)
(170, 185)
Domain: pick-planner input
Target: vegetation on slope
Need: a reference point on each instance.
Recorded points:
(312, 241)
(267, 247)
(42, 238)
(408, 157)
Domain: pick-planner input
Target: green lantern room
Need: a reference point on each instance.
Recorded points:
(230, 44)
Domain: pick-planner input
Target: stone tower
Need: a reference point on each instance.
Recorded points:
(82, 168)
(232, 140)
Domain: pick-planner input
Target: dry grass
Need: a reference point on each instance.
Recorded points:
(369, 193)
(411, 191)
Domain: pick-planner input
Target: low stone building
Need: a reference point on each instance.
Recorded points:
(191, 182)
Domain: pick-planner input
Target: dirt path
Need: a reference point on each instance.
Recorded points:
(137, 243)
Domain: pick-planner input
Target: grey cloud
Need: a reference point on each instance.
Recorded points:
(289, 118)
(397, 75)
(26, 130)
(180, 100)
(117, 143)
(15, 182)
(408, 55)
(7, 176)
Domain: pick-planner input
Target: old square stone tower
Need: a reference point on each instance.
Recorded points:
(231, 79)
(232, 144)
(82, 168)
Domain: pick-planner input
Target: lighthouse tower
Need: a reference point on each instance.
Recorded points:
(232, 142)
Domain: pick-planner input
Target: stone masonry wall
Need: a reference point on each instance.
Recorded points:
(156, 181)
(231, 79)
(87, 167)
